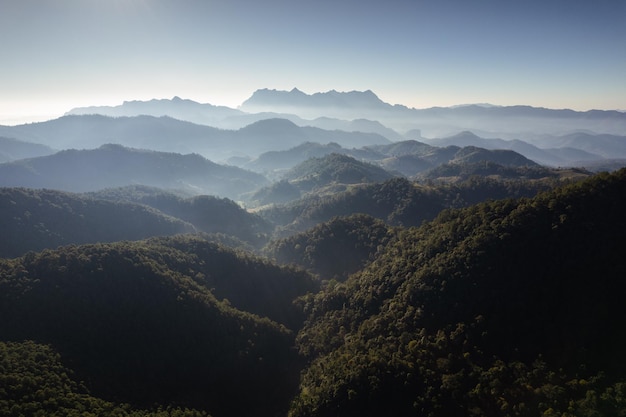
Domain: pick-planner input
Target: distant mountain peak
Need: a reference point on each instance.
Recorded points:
(176, 107)
(484, 105)
(272, 124)
(351, 104)
(466, 134)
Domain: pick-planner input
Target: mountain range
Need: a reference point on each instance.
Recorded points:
(555, 137)
(278, 137)
(333, 110)
(311, 256)
(420, 299)
(171, 135)
(13, 149)
(115, 166)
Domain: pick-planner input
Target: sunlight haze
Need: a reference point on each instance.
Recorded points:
(62, 54)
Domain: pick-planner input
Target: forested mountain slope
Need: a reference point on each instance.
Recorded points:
(333, 169)
(164, 321)
(408, 157)
(506, 308)
(398, 201)
(34, 381)
(452, 172)
(209, 214)
(33, 220)
(334, 249)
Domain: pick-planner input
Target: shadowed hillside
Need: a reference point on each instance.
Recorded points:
(33, 220)
(501, 309)
(35, 381)
(334, 249)
(398, 202)
(149, 322)
(207, 214)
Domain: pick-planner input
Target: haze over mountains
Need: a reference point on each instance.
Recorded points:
(319, 109)
(270, 125)
(310, 256)
(115, 166)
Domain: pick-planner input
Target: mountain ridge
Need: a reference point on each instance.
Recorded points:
(167, 134)
(355, 104)
(332, 98)
(114, 165)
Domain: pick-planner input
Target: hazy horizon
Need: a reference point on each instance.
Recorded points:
(65, 54)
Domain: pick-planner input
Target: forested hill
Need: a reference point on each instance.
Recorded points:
(506, 308)
(334, 249)
(33, 220)
(159, 322)
(434, 300)
(334, 168)
(398, 201)
(209, 214)
(33, 375)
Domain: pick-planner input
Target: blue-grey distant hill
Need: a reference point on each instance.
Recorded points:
(509, 122)
(225, 117)
(295, 99)
(274, 120)
(407, 158)
(576, 149)
(171, 135)
(178, 108)
(116, 166)
(364, 111)
(13, 149)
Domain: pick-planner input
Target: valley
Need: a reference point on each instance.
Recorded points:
(310, 256)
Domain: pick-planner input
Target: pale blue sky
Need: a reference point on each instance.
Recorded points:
(58, 54)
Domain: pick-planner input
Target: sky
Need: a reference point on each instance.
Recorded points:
(60, 54)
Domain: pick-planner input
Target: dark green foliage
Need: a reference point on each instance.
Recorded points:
(465, 170)
(335, 249)
(277, 193)
(334, 168)
(249, 283)
(399, 202)
(504, 308)
(34, 382)
(38, 219)
(509, 308)
(208, 214)
(504, 157)
(407, 165)
(145, 322)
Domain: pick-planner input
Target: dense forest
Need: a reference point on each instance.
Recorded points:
(497, 296)
(33, 220)
(168, 321)
(398, 201)
(505, 308)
